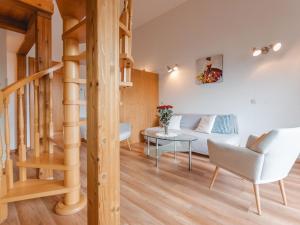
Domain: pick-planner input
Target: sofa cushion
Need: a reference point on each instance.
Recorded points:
(225, 124)
(190, 121)
(175, 122)
(256, 145)
(251, 140)
(206, 124)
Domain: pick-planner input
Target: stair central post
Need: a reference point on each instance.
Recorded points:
(73, 200)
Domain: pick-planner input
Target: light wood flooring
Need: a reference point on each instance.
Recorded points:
(172, 195)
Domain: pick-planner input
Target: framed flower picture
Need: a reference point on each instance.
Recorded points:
(210, 69)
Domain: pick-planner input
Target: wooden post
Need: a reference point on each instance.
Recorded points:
(103, 112)
(21, 147)
(50, 113)
(44, 58)
(8, 162)
(73, 201)
(36, 119)
(21, 73)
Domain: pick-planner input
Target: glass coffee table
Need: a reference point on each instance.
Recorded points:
(169, 143)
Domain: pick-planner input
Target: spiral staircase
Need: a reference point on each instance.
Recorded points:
(15, 183)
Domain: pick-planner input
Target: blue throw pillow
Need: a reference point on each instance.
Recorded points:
(225, 124)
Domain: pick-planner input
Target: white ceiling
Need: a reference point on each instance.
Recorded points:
(147, 10)
(143, 11)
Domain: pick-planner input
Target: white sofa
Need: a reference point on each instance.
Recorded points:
(125, 133)
(225, 130)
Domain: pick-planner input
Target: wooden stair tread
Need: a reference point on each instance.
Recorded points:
(124, 30)
(126, 61)
(72, 8)
(34, 188)
(77, 32)
(46, 161)
(81, 58)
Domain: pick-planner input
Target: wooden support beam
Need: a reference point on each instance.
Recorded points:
(21, 73)
(21, 66)
(30, 37)
(10, 24)
(44, 59)
(103, 112)
(41, 5)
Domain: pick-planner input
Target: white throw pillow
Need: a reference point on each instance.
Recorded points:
(206, 124)
(175, 123)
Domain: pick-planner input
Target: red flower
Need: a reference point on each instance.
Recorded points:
(164, 107)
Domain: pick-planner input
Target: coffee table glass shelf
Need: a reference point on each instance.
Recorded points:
(173, 142)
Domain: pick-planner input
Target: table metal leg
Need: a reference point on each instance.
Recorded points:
(190, 155)
(175, 150)
(148, 146)
(157, 156)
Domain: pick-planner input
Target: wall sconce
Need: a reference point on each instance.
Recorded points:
(172, 68)
(265, 50)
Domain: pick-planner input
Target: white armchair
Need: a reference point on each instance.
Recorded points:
(125, 133)
(266, 159)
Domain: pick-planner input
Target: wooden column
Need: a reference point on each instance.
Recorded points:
(50, 113)
(44, 58)
(21, 147)
(8, 162)
(36, 131)
(103, 112)
(21, 73)
(73, 201)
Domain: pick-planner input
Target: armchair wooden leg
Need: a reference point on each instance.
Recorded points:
(214, 177)
(128, 142)
(281, 185)
(257, 198)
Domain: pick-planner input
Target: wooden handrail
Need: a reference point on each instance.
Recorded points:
(21, 83)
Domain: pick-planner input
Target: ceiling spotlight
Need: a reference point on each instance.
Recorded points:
(256, 52)
(175, 68)
(265, 50)
(172, 68)
(277, 47)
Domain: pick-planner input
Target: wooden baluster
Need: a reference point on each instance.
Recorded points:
(50, 114)
(36, 119)
(8, 162)
(21, 148)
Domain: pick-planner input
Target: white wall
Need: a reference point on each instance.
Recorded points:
(201, 28)
(3, 80)
(11, 78)
(9, 44)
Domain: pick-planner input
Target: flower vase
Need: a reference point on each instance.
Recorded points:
(166, 129)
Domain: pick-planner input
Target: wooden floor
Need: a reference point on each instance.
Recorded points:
(172, 195)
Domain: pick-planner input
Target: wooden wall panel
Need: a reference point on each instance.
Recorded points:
(138, 103)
